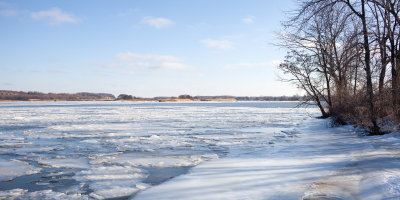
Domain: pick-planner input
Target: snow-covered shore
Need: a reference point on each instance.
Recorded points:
(318, 163)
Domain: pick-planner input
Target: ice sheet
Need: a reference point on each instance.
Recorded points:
(80, 163)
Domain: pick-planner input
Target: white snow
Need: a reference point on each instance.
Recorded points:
(322, 163)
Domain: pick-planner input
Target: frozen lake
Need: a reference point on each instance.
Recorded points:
(117, 149)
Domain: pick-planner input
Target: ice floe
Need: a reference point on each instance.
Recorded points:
(10, 169)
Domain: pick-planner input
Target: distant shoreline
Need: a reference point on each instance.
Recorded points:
(8, 95)
(144, 100)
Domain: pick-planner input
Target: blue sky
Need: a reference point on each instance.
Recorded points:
(144, 48)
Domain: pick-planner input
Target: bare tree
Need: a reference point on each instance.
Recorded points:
(301, 66)
(340, 31)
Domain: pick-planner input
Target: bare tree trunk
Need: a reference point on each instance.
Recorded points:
(375, 127)
(355, 82)
(326, 75)
(382, 76)
(395, 88)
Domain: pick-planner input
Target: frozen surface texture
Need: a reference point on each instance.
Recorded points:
(98, 150)
(320, 163)
(208, 150)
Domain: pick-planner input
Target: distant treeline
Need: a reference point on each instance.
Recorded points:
(86, 96)
(25, 96)
(242, 98)
(271, 98)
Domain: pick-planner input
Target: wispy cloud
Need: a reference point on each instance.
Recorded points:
(128, 73)
(128, 12)
(149, 57)
(248, 20)
(157, 22)
(219, 44)
(55, 71)
(139, 61)
(241, 65)
(152, 61)
(54, 16)
(7, 84)
(173, 66)
(9, 13)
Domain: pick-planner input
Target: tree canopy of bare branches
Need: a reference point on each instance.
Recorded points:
(339, 53)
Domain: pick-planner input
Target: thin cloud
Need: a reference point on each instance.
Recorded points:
(138, 64)
(242, 65)
(248, 20)
(219, 44)
(54, 16)
(150, 57)
(112, 65)
(152, 61)
(173, 66)
(8, 84)
(128, 73)
(128, 12)
(157, 22)
(9, 13)
(55, 71)
(139, 61)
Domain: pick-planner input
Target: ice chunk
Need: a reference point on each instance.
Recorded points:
(81, 163)
(113, 192)
(134, 159)
(112, 181)
(49, 194)
(11, 194)
(9, 169)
